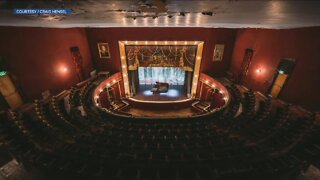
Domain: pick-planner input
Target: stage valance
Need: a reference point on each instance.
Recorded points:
(161, 56)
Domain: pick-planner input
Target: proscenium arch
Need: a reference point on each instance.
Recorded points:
(124, 67)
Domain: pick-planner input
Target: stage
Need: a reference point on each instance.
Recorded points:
(175, 93)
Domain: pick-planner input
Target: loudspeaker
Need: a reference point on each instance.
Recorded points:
(286, 66)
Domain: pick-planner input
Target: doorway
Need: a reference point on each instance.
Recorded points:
(283, 72)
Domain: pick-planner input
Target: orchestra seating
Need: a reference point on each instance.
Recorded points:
(89, 143)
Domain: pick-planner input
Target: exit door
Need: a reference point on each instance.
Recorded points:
(278, 84)
(282, 74)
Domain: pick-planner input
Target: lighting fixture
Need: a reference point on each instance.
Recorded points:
(3, 73)
(208, 13)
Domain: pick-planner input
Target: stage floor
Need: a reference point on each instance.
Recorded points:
(175, 93)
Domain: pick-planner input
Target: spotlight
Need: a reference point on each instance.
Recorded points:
(208, 13)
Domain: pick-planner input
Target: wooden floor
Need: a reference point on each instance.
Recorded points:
(175, 93)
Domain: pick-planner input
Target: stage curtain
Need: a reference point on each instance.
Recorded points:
(188, 82)
(170, 75)
(161, 56)
(133, 81)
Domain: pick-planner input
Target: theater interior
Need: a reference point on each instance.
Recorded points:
(160, 89)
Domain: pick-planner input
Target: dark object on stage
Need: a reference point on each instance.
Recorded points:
(160, 87)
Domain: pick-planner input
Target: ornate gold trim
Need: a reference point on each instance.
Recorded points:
(124, 67)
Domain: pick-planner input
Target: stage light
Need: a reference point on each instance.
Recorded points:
(182, 13)
(208, 13)
(281, 72)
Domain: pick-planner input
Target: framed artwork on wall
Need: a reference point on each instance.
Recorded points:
(104, 51)
(218, 52)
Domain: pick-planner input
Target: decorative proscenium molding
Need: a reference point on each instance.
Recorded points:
(198, 58)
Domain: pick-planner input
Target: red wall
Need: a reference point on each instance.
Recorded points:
(269, 47)
(36, 56)
(208, 35)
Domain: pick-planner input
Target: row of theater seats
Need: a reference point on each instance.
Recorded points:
(263, 144)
